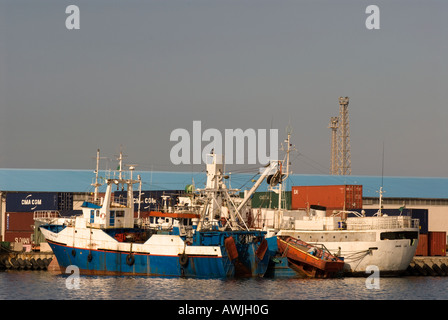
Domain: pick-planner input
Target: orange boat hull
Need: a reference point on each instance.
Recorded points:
(318, 265)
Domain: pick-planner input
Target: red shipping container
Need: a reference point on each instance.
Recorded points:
(422, 247)
(18, 236)
(19, 221)
(334, 197)
(437, 243)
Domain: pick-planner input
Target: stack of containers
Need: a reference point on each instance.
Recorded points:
(20, 208)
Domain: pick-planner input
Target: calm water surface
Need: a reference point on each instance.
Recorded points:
(46, 285)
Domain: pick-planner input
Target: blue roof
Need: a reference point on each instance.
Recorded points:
(393, 187)
(57, 180)
(48, 180)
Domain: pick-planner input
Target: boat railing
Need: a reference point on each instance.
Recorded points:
(119, 200)
(388, 222)
(326, 254)
(46, 215)
(119, 174)
(156, 223)
(322, 252)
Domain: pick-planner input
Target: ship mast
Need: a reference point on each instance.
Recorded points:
(282, 178)
(96, 184)
(217, 194)
(288, 151)
(120, 159)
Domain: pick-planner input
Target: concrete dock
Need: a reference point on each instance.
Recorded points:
(27, 261)
(428, 266)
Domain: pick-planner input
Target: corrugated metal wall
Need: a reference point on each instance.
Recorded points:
(19, 227)
(333, 197)
(270, 200)
(422, 247)
(437, 243)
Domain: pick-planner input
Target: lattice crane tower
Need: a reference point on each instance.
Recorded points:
(334, 145)
(344, 156)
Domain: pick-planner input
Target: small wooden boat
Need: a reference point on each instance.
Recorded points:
(308, 260)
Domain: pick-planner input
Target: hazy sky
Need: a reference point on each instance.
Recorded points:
(137, 70)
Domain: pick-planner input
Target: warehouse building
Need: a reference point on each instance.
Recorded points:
(398, 193)
(24, 191)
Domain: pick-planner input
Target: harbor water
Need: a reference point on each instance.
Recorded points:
(47, 285)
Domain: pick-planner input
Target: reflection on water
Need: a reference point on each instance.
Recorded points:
(46, 285)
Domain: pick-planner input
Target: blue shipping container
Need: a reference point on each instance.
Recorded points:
(65, 201)
(31, 201)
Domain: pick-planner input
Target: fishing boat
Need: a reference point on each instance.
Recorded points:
(212, 241)
(386, 242)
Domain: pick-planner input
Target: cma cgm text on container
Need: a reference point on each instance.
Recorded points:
(35, 201)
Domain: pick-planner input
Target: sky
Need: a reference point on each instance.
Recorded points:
(137, 70)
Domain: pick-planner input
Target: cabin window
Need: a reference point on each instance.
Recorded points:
(112, 218)
(119, 213)
(185, 222)
(97, 213)
(399, 235)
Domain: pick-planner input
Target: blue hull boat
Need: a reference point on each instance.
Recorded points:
(211, 242)
(220, 265)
